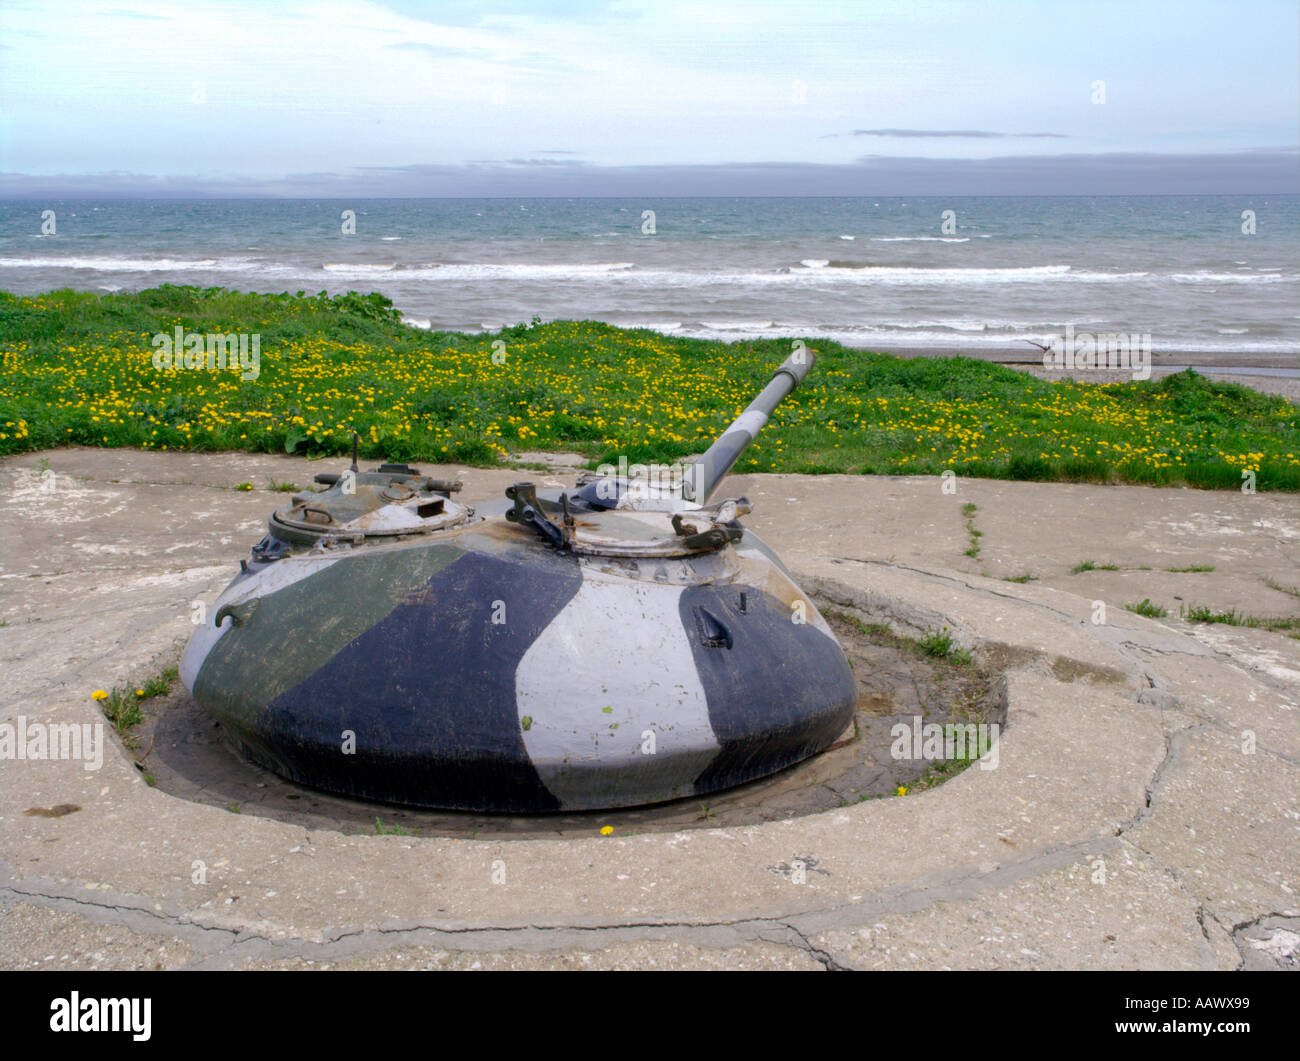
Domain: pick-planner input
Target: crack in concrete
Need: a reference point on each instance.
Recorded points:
(188, 930)
(1180, 738)
(1108, 633)
(1203, 912)
(967, 882)
(1261, 956)
(803, 943)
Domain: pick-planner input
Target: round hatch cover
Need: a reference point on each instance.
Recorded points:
(378, 504)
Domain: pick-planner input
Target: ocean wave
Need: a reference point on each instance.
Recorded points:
(358, 268)
(958, 325)
(878, 338)
(909, 274)
(920, 239)
(1012, 330)
(809, 271)
(480, 271)
(664, 327)
(820, 275)
(1232, 278)
(107, 264)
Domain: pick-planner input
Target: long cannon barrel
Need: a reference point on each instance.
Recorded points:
(707, 472)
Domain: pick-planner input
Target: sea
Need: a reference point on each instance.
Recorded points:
(1207, 275)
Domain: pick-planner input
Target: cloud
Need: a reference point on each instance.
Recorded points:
(118, 13)
(527, 161)
(1273, 171)
(965, 134)
(437, 50)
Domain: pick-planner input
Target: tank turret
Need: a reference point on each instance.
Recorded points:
(627, 642)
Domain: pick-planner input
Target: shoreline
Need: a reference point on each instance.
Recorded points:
(1287, 387)
(1167, 360)
(1276, 374)
(1282, 364)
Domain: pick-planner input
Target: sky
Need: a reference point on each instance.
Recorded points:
(628, 97)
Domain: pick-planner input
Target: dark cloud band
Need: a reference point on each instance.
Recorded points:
(1266, 172)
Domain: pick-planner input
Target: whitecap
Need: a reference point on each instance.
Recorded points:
(105, 263)
(654, 326)
(1204, 277)
(360, 268)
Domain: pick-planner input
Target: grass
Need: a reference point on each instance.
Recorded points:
(874, 630)
(122, 709)
(1019, 578)
(77, 368)
(940, 645)
(159, 685)
(284, 488)
(1191, 568)
(1202, 614)
(389, 830)
(1145, 607)
(1089, 565)
(122, 706)
(938, 772)
(1293, 591)
(968, 510)
(936, 644)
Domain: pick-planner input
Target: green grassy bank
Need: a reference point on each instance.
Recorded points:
(78, 368)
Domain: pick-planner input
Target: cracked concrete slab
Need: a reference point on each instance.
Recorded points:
(1227, 823)
(1126, 742)
(1270, 943)
(642, 954)
(1113, 908)
(44, 937)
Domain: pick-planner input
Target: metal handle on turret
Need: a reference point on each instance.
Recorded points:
(707, 472)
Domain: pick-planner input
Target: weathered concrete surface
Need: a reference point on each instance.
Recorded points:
(1144, 810)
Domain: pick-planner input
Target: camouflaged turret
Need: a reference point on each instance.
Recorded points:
(624, 643)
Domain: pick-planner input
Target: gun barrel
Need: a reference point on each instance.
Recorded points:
(707, 472)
